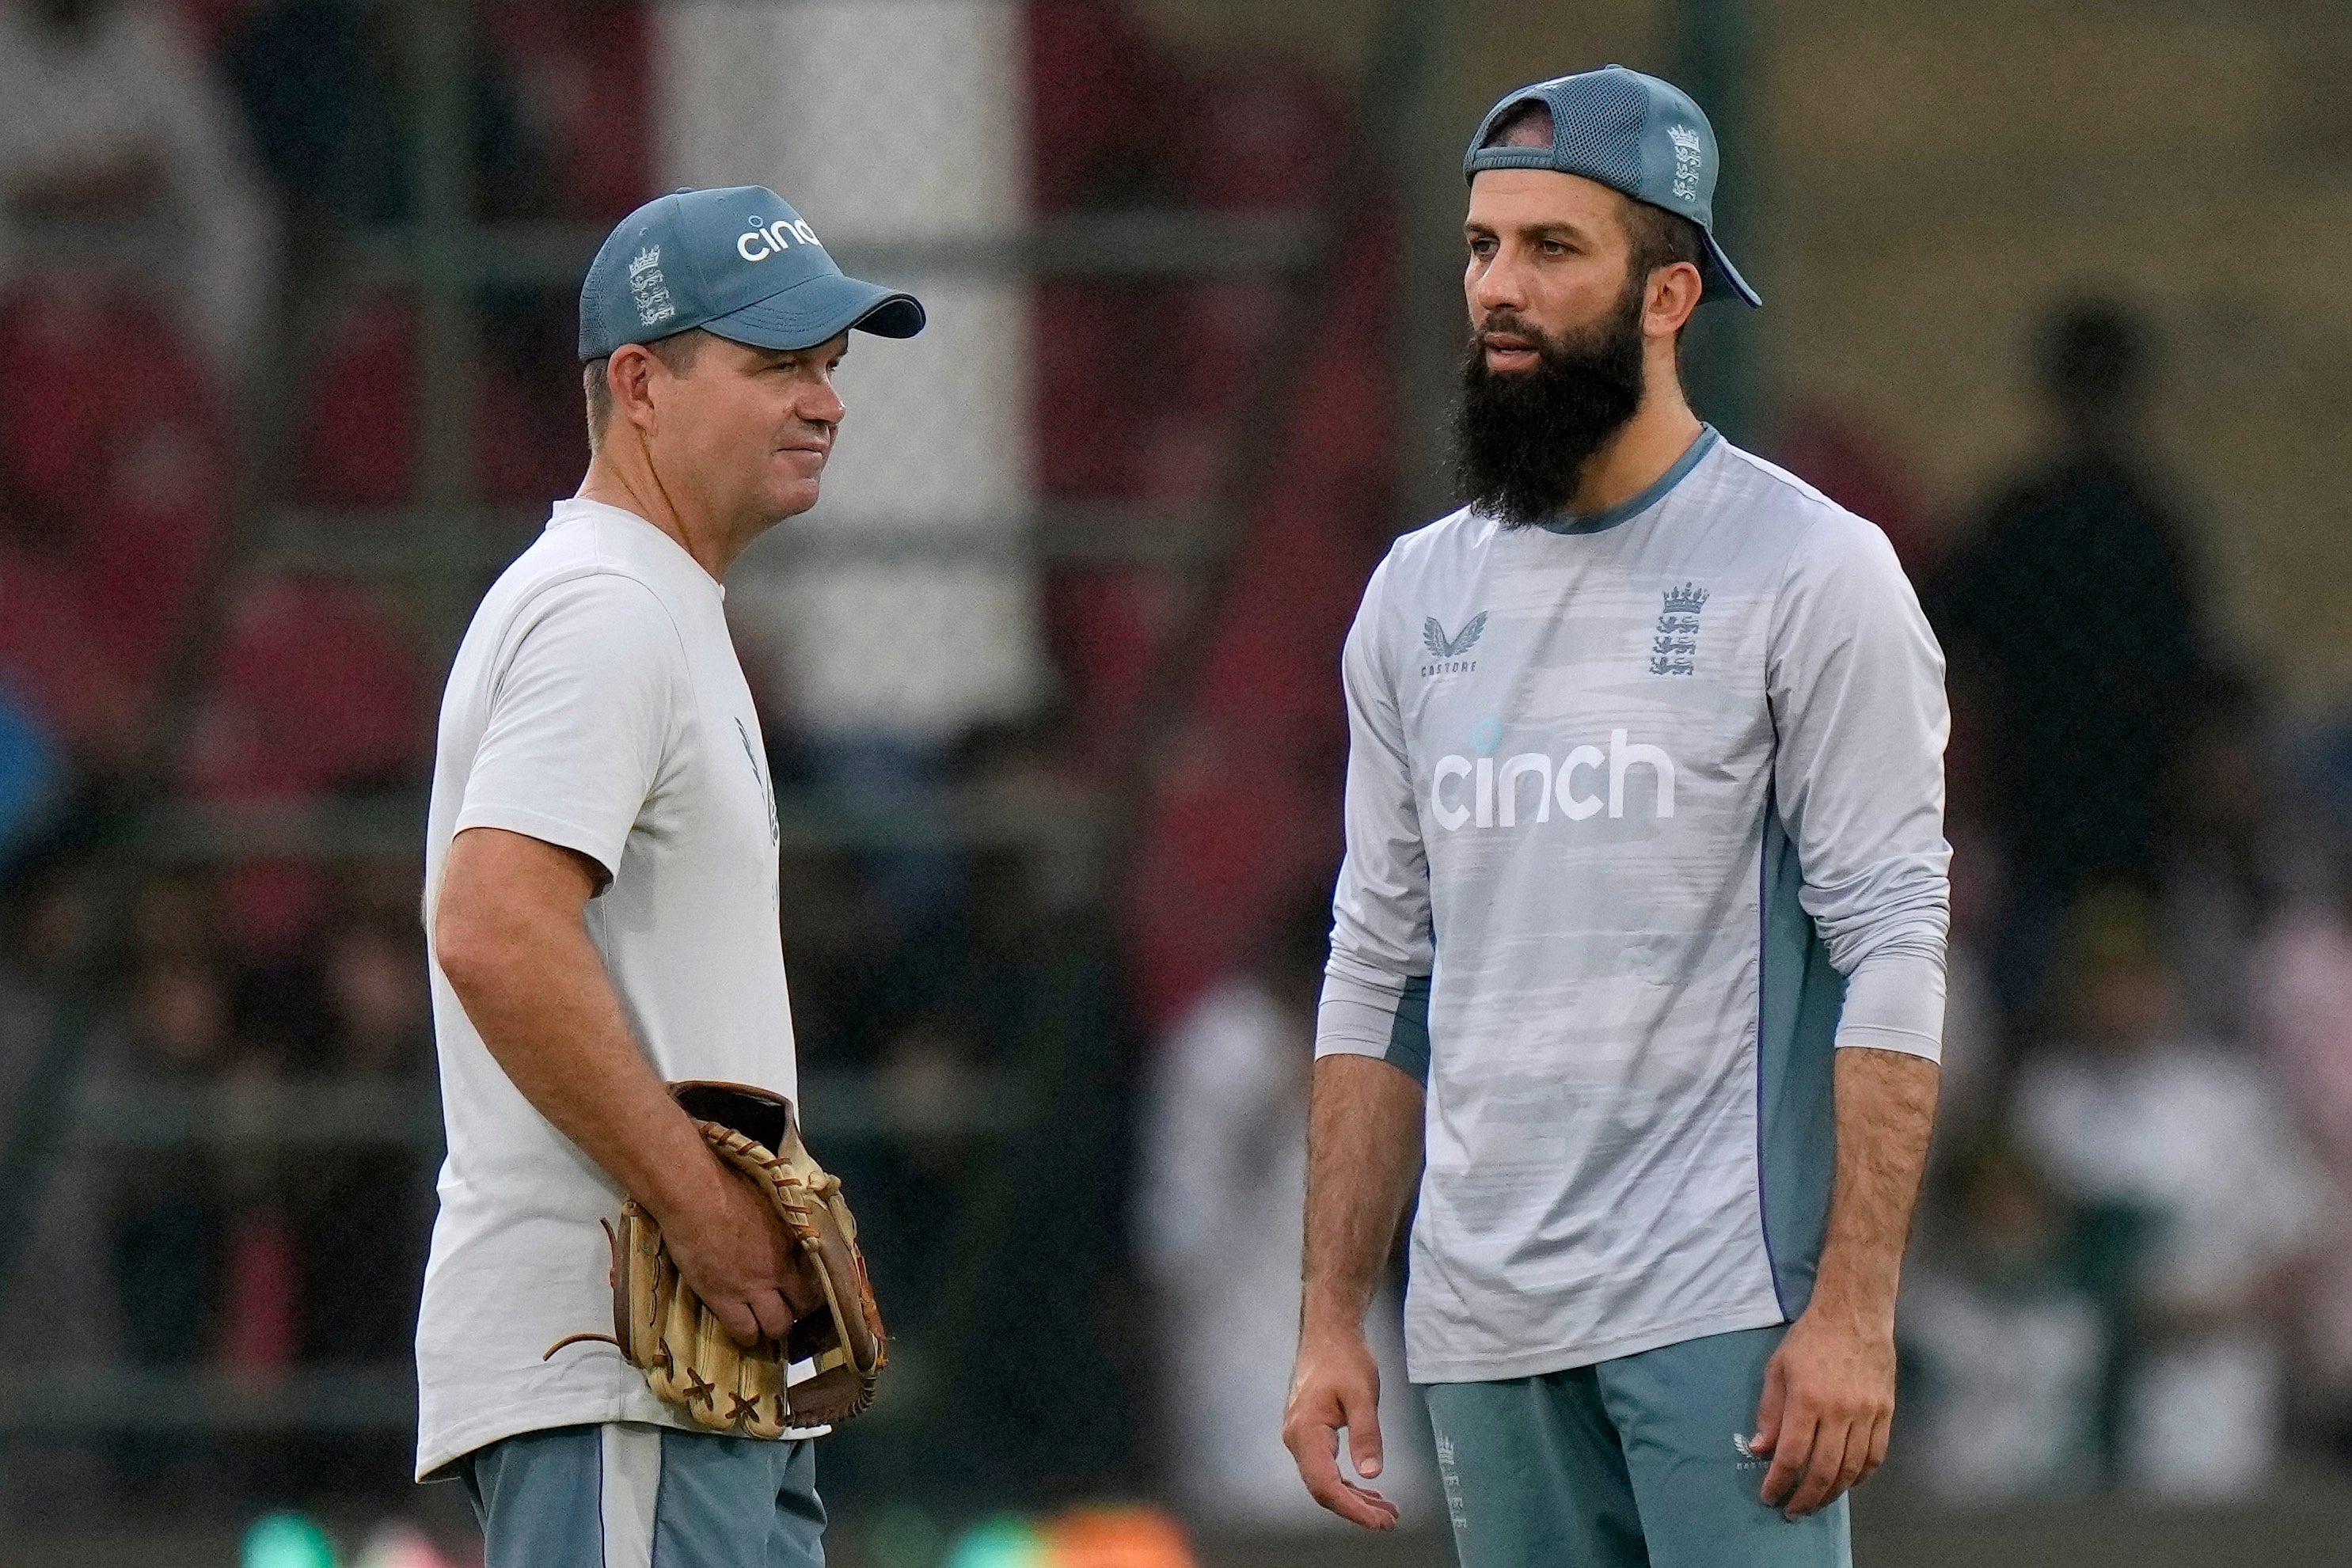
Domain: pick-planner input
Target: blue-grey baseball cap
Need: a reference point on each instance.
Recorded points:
(1633, 133)
(738, 262)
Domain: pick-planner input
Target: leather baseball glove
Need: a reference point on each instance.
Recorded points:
(690, 1361)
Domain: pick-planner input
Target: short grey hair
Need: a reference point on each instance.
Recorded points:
(678, 352)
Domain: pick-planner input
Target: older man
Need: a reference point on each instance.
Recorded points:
(601, 889)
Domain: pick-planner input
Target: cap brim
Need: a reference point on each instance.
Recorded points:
(1722, 280)
(819, 308)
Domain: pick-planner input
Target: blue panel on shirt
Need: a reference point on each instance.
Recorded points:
(1798, 998)
(1408, 1035)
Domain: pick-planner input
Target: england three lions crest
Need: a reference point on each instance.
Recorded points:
(1674, 648)
(1689, 156)
(648, 289)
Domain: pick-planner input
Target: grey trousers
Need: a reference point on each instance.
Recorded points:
(629, 1496)
(1638, 1462)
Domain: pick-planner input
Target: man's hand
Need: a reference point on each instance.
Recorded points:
(732, 1248)
(1363, 1153)
(1338, 1384)
(1827, 1409)
(1829, 1391)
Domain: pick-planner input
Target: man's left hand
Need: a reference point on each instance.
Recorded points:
(1828, 1406)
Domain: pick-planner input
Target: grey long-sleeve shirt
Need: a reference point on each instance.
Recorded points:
(1644, 818)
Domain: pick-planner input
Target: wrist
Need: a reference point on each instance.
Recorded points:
(1859, 1307)
(1331, 1316)
(678, 1192)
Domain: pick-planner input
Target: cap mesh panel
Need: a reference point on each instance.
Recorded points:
(596, 304)
(1601, 135)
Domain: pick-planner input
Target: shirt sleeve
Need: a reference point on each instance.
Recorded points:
(1376, 988)
(1857, 695)
(585, 704)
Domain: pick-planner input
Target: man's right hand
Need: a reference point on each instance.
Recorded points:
(733, 1249)
(1338, 1384)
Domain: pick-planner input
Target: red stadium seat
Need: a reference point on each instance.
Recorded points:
(51, 659)
(1248, 817)
(357, 435)
(124, 476)
(62, 398)
(209, 22)
(1097, 381)
(1100, 99)
(582, 70)
(1838, 455)
(1093, 387)
(1258, 136)
(168, 489)
(1220, 331)
(314, 690)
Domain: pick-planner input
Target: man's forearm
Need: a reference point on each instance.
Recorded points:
(1886, 1111)
(510, 935)
(511, 940)
(1363, 1158)
(552, 1021)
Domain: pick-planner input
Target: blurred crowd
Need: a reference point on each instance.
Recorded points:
(191, 1220)
(2132, 1267)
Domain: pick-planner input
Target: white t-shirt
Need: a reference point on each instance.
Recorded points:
(596, 704)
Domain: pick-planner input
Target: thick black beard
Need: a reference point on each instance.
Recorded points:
(1521, 439)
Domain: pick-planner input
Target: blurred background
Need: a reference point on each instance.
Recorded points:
(2056, 293)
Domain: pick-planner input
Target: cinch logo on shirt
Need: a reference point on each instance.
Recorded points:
(1461, 791)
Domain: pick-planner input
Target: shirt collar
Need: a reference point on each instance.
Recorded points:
(1610, 517)
(660, 544)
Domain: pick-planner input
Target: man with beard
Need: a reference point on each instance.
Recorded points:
(1638, 950)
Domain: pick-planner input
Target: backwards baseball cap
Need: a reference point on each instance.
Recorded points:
(1633, 133)
(738, 262)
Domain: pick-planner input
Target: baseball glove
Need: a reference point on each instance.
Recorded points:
(662, 1327)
